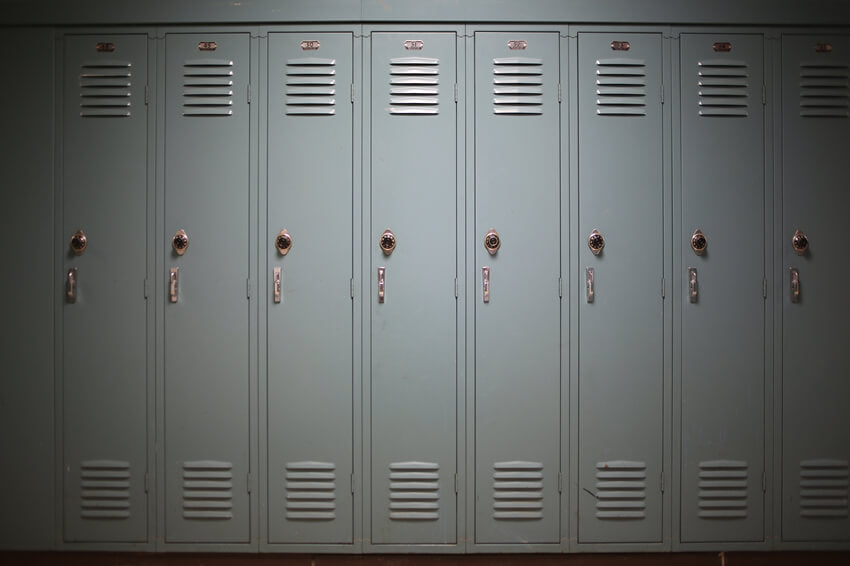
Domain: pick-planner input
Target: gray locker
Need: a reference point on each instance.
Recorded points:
(517, 298)
(309, 247)
(722, 298)
(815, 356)
(104, 318)
(621, 313)
(411, 285)
(206, 310)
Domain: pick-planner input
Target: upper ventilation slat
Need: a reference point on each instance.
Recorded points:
(414, 86)
(620, 87)
(207, 87)
(106, 89)
(311, 87)
(723, 88)
(824, 90)
(517, 86)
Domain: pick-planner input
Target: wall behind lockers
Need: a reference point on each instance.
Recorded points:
(425, 287)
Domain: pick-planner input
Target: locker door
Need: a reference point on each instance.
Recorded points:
(517, 338)
(414, 324)
(723, 381)
(104, 331)
(310, 384)
(815, 356)
(207, 319)
(621, 314)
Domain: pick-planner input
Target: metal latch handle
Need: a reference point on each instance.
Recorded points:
(485, 281)
(381, 283)
(795, 285)
(172, 284)
(591, 293)
(693, 284)
(71, 292)
(276, 285)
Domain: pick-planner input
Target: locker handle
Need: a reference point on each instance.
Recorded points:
(589, 275)
(381, 283)
(172, 284)
(693, 284)
(71, 292)
(485, 281)
(276, 284)
(795, 285)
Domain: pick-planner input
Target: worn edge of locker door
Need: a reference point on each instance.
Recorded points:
(683, 78)
(369, 289)
(165, 260)
(662, 288)
(520, 35)
(141, 98)
(266, 292)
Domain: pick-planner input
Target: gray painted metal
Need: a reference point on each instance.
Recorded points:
(104, 334)
(723, 375)
(310, 388)
(517, 338)
(816, 360)
(206, 336)
(621, 344)
(413, 352)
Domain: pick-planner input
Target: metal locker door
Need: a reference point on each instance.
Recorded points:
(206, 350)
(517, 298)
(412, 288)
(621, 313)
(309, 246)
(722, 304)
(104, 319)
(815, 356)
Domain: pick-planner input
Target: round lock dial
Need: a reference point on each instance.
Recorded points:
(800, 242)
(492, 242)
(596, 242)
(283, 242)
(387, 242)
(79, 242)
(698, 242)
(180, 242)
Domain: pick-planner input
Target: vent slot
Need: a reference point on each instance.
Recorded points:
(414, 86)
(414, 491)
(105, 89)
(207, 490)
(823, 489)
(311, 87)
(310, 491)
(105, 489)
(518, 490)
(621, 490)
(723, 88)
(824, 90)
(723, 489)
(208, 87)
(621, 87)
(517, 86)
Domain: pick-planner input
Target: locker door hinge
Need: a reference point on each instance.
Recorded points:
(561, 287)
(456, 483)
(763, 94)
(147, 482)
(662, 482)
(250, 93)
(663, 288)
(764, 288)
(455, 287)
(763, 481)
(560, 482)
(147, 95)
(147, 288)
(249, 482)
(455, 92)
(249, 288)
(560, 93)
(351, 287)
(662, 93)
(352, 482)
(352, 93)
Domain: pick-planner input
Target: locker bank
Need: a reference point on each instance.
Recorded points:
(425, 277)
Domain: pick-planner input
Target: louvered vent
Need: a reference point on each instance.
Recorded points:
(207, 490)
(311, 87)
(620, 490)
(723, 88)
(105, 489)
(208, 87)
(824, 90)
(518, 490)
(621, 87)
(414, 491)
(310, 491)
(823, 489)
(722, 489)
(517, 86)
(105, 89)
(414, 86)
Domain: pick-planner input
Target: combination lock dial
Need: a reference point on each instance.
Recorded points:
(387, 242)
(180, 242)
(79, 242)
(699, 242)
(283, 242)
(800, 242)
(492, 242)
(596, 242)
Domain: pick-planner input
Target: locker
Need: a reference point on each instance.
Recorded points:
(310, 315)
(411, 285)
(815, 357)
(206, 310)
(517, 302)
(722, 299)
(620, 310)
(104, 316)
